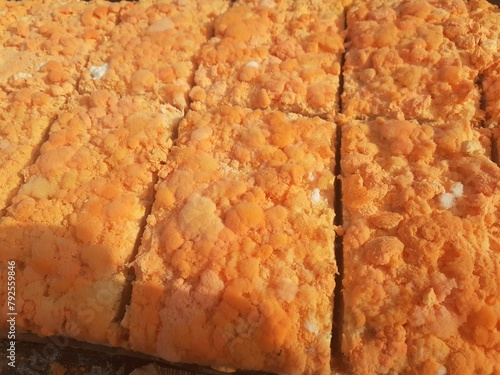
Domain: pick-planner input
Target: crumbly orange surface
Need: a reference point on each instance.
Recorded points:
(485, 137)
(74, 222)
(491, 87)
(236, 267)
(403, 62)
(484, 34)
(25, 116)
(298, 6)
(65, 31)
(421, 250)
(206, 11)
(484, 41)
(44, 50)
(265, 57)
(151, 52)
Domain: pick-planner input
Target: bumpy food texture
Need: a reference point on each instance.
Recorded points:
(25, 117)
(491, 88)
(484, 136)
(151, 52)
(236, 268)
(73, 225)
(403, 61)
(421, 251)
(301, 6)
(263, 57)
(483, 37)
(206, 11)
(45, 47)
(43, 30)
(485, 32)
(11, 11)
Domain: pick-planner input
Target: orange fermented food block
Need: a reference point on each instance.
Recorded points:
(265, 57)
(421, 281)
(236, 267)
(73, 225)
(404, 61)
(151, 51)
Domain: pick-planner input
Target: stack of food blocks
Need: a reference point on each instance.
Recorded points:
(196, 142)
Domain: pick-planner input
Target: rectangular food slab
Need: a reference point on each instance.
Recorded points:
(236, 267)
(282, 56)
(421, 249)
(404, 60)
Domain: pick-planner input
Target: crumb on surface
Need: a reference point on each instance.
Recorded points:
(97, 72)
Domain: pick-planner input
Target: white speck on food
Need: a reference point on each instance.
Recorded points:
(253, 64)
(315, 196)
(22, 75)
(442, 370)
(97, 72)
(457, 189)
(311, 176)
(446, 200)
(311, 327)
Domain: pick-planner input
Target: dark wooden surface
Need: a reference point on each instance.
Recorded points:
(61, 356)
